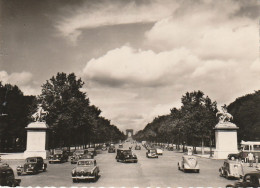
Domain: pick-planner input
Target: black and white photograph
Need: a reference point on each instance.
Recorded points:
(130, 93)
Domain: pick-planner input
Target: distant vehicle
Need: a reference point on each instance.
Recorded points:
(87, 156)
(120, 146)
(111, 149)
(86, 169)
(231, 169)
(249, 147)
(151, 153)
(233, 156)
(189, 163)
(32, 166)
(104, 147)
(77, 155)
(159, 151)
(92, 151)
(126, 155)
(59, 156)
(137, 147)
(251, 179)
(7, 177)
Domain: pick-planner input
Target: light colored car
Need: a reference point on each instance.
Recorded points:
(189, 163)
(231, 169)
(151, 153)
(159, 151)
(86, 169)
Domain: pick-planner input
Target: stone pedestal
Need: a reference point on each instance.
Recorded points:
(226, 140)
(37, 140)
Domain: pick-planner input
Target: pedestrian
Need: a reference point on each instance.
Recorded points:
(251, 159)
(189, 151)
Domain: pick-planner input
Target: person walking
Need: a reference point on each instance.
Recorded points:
(251, 159)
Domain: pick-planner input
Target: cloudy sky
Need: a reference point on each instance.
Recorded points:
(137, 57)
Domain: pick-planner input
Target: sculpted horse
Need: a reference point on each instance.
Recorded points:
(40, 114)
(224, 116)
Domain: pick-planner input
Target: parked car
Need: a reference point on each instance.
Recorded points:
(120, 146)
(58, 156)
(231, 169)
(7, 177)
(126, 155)
(189, 163)
(151, 153)
(137, 147)
(111, 149)
(86, 169)
(32, 166)
(159, 151)
(77, 155)
(233, 156)
(251, 179)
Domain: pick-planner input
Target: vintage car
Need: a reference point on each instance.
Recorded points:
(231, 169)
(104, 147)
(7, 177)
(137, 147)
(233, 156)
(189, 163)
(77, 155)
(120, 146)
(159, 151)
(251, 179)
(87, 156)
(126, 155)
(86, 169)
(58, 156)
(32, 166)
(151, 153)
(111, 149)
(92, 151)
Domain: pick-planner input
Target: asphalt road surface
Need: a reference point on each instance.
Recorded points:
(161, 172)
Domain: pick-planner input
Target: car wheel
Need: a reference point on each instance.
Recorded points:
(74, 181)
(19, 174)
(198, 171)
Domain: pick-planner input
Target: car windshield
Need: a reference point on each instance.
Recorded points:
(79, 151)
(256, 147)
(58, 152)
(127, 152)
(31, 160)
(86, 163)
(152, 151)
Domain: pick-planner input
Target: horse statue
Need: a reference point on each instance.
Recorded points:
(40, 114)
(224, 116)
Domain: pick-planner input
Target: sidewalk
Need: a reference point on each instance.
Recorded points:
(6, 156)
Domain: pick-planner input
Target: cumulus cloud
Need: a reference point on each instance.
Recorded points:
(24, 80)
(107, 13)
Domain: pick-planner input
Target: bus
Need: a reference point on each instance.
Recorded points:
(249, 147)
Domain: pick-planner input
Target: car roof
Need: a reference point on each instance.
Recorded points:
(256, 173)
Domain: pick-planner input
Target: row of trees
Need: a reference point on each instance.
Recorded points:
(192, 124)
(72, 120)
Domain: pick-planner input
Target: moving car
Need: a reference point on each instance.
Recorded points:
(59, 156)
(77, 155)
(137, 147)
(92, 151)
(251, 179)
(151, 153)
(126, 155)
(231, 169)
(111, 149)
(87, 156)
(7, 177)
(159, 151)
(120, 146)
(86, 169)
(32, 166)
(189, 163)
(104, 147)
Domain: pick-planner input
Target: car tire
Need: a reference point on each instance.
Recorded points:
(74, 181)
(198, 171)
(19, 174)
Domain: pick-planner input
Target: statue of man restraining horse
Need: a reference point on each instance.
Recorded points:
(224, 116)
(40, 114)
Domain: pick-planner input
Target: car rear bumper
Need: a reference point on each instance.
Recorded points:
(83, 177)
